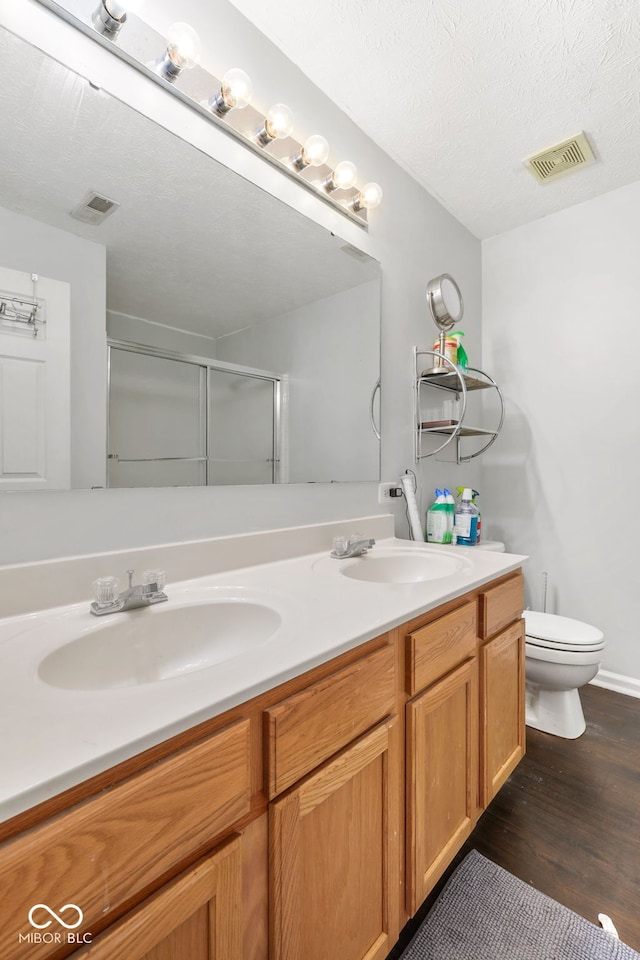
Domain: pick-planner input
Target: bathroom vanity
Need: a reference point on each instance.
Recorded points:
(319, 801)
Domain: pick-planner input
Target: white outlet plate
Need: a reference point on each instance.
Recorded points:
(384, 491)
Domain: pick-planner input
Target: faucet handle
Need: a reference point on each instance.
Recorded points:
(340, 546)
(105, 589)
(155, 577)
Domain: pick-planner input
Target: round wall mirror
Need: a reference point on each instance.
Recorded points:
(445, 301)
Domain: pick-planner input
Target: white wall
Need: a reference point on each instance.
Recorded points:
(35, 247)
(412, 235)
(84, 521)
(561, 302)
(330, 353)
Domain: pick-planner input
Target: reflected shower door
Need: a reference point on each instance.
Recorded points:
(243, 415)
(157, 421)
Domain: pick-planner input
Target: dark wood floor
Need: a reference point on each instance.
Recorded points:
(568, 820)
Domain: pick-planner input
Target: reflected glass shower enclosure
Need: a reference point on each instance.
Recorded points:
(176, 420)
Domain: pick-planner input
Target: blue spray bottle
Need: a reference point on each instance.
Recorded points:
(465, 525)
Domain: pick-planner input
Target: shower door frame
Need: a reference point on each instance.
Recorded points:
(208, 364)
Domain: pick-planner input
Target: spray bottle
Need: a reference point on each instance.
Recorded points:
(451, 509)
(437, 516)
(479, 527)
(465, 528)
(474, 497)
(462, 359)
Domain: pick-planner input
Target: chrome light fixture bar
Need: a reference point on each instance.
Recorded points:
(225, 102)
(109, 17)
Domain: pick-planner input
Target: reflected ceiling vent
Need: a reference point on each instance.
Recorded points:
(94, 208)
(561, 158)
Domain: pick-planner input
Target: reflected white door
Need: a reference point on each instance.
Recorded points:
(34, 388)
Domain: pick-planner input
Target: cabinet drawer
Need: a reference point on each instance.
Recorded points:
(306, 729)
(437, 648)
(103, 852)
(501, 605)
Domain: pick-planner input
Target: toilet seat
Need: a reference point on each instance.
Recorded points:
(574, 657)
(551, 632)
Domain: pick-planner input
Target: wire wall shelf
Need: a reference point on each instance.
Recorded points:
(455, 383)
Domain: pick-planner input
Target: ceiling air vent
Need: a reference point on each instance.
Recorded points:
(94, 208)
(561, 158)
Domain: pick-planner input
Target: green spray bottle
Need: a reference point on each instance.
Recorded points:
(437, 526)
(451, 509)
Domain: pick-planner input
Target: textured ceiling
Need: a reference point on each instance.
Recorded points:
(234, 254)
(460, 91)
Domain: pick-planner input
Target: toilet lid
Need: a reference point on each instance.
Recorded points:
(547, 629)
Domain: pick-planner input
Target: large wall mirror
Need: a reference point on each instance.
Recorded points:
(213, 334)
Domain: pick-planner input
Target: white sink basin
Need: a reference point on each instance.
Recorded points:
(398, 565)
(158, 643)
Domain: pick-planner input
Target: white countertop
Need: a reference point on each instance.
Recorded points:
(53, 738)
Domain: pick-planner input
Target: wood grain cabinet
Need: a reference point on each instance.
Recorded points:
(502, 665)
(198, 916)
(465, 731)
(309, 727)
(334, 852)
(442, 777)
(333, 857)
(502, 674)
(442, 745)
(110, 850)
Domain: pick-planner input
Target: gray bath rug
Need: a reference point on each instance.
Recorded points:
(485, 913)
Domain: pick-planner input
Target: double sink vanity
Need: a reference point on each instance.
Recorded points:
(278, 762)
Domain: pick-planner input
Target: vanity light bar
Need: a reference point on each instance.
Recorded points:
(225, 102)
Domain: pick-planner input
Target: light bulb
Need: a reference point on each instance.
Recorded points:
(369, 197)
(279, 122)
(343, 177)
(235, 92)
(278, 125)
(182, 53)
(236, 88)
(183, 46)
(313, 154)
(110, 16)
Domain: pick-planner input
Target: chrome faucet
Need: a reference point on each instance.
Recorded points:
(354, 546)
(108, 600)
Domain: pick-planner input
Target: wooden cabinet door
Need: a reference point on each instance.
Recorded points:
(442, 777)
(502, 664)
(108, 850)
(195, 917)
(334, 861)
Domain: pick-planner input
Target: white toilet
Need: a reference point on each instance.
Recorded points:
(562, 655)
